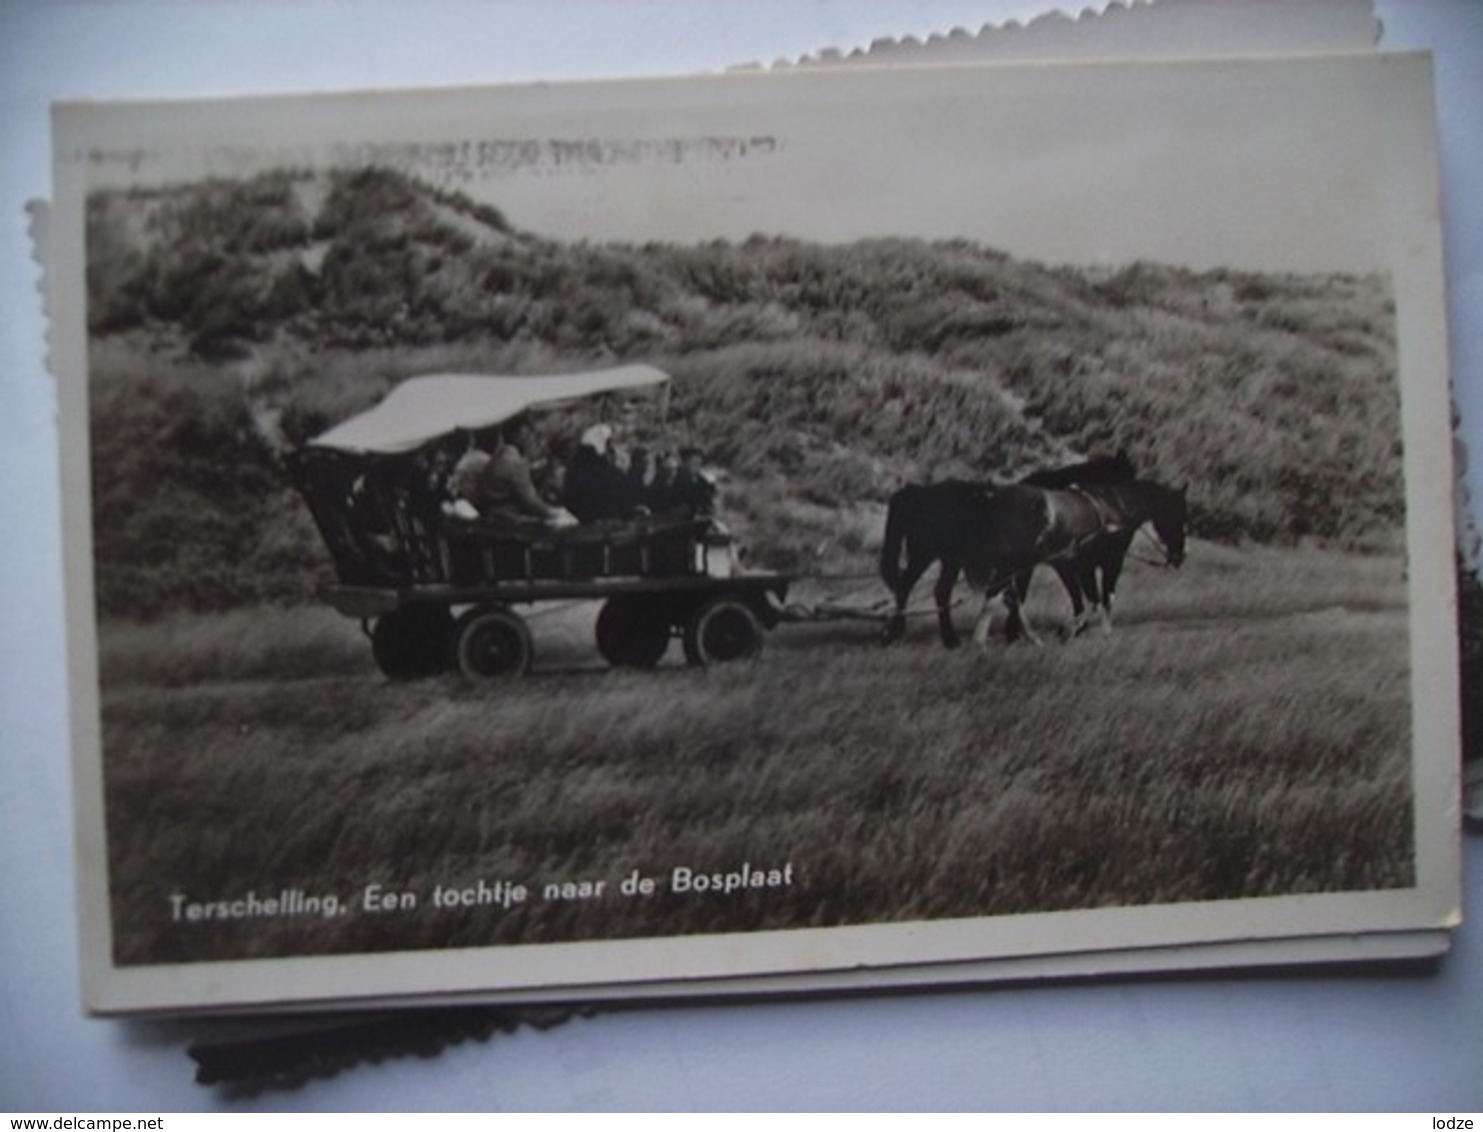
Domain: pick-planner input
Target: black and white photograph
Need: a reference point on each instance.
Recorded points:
(822, 529)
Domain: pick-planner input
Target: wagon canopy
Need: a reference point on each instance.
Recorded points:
(422, 409)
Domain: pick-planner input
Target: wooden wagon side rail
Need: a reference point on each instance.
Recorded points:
(437, 592)
(383, 529)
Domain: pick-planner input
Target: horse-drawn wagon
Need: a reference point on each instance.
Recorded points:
(437, 587)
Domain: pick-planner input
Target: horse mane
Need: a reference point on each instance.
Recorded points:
(1133, 496)
(1098, 470)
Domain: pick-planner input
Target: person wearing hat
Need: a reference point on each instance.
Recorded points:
(693, 488)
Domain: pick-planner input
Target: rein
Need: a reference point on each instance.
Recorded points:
(1100, 506)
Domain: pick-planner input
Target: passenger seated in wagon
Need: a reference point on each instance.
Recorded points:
(659, 494)
(596, 488)
(499, 486)
(693, 489)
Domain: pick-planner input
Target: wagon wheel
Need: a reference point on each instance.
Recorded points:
(412, 643)
(722, 631)
(492, 643)
(632, 632)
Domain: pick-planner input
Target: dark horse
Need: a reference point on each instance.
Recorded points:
(1091, 578)
(1022, 526)
(934, 522)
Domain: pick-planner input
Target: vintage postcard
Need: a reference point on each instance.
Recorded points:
(757, 532)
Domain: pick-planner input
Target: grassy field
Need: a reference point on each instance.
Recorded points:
(1243, 732)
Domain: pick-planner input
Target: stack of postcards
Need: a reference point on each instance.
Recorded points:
(976, 510)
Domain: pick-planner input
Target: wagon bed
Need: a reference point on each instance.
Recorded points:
(424, 630)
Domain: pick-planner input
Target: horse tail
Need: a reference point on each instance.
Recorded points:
(895, 536)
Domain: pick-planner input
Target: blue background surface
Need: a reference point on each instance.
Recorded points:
(1311, 1041)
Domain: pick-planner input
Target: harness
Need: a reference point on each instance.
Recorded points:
(1078, 545)
(1110, 522)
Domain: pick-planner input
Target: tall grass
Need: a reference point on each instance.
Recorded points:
(1242, 734)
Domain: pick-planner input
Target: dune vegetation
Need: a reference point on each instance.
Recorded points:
(1243, 732)
(234, 319)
